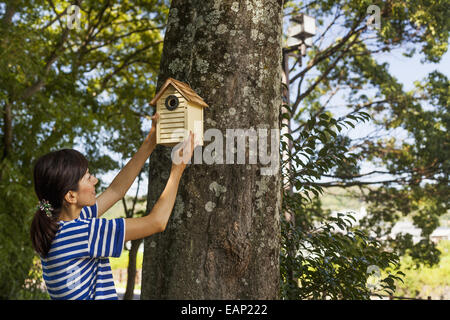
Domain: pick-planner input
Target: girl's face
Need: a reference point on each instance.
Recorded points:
(86, 190)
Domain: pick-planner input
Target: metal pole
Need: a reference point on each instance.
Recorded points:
(285, 122)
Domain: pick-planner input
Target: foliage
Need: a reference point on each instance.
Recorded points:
(34, 286)
(325, 256)
(16, 252)
(87, 87)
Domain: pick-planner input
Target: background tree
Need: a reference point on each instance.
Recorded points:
(131, 207)
(133, 212)
(86, 87)
(223, 237)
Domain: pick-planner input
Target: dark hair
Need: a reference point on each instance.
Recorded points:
(55, 174)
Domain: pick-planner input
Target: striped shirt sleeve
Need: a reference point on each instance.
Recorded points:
(106, 237)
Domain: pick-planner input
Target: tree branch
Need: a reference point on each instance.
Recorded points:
(351, 183)
(326, 72)
(31, 90)
(330, 50)
(126, 62)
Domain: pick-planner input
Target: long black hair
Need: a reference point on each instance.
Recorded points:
(55, 174)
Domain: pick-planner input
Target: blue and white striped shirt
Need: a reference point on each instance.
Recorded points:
(77, 266)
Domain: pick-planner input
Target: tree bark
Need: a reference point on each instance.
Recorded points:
(8, 131)
(223, 238)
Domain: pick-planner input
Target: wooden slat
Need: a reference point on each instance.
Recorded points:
(165, 111)
(170, 137)
(171, 125)
(179, 131)
(169, 132)
(179, 139)
(170, 143)
(171, 120)
(171, 140)
(172, 115)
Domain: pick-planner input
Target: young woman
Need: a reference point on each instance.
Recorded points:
(74, 243)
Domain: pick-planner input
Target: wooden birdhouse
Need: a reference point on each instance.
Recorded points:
(180, 111)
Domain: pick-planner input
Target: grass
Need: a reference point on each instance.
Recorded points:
(122, 261)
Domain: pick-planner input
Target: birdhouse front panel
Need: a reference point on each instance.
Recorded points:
(172, 124)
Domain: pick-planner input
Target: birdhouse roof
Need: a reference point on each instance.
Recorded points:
(184, 89)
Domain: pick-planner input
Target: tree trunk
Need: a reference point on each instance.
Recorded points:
(223, 238)
(131, 270)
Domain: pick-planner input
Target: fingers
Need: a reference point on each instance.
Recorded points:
(187, 148)
(182, 153)
(153, 117)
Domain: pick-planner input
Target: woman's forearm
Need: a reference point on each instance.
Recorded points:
(163, 207)
(156, 221)
(123, 181)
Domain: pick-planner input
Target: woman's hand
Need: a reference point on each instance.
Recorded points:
(182, 154)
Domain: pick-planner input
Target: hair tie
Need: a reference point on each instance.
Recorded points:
(45, 206)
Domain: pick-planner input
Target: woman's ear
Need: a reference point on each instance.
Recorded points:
(71, 197)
